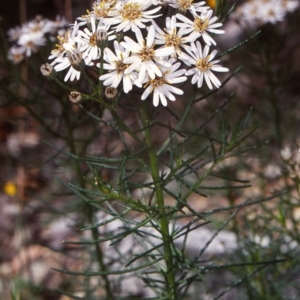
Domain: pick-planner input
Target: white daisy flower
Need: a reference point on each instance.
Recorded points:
(248, 13)
(161, 86)
(16, 54)
(87, 42)
(184, 5)
(73, 60)
(204, 65)
(116, 67)
(144, 58)
(131, 15)
(14, 34)
(68, 55)
(66, 43)
(272, 12)
(201, 25)
(39, 25)
(257, 12)
(289, 5)
(170, 37)
(101, 8)
(31, 41)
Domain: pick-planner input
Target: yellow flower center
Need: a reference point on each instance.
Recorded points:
(120, 66)
(36, 28)
(201, 25)
(93, 40)
(101, 10)
(30, 44)
(157, 81)
(131, 11)
(146, 53)
(203, 64)
(172, 40)
(184, 4)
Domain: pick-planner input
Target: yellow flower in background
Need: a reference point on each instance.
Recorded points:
(10, 189)
(211, 3)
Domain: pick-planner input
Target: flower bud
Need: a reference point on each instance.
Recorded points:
(102, 37)
(48, 71)
(75, 97)
(76, 59)
(110, 93)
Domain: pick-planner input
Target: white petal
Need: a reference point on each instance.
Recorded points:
(150, 36)
(207, 80)
(155, 98)
(166, 51)
(147, 91)
(142, 72)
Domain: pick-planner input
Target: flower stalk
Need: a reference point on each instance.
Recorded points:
(164, 220)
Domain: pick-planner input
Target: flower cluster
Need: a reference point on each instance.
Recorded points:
(132, 44)
(31, 35)
(259, 12)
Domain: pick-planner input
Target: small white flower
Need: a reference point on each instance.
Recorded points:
(184, 5)
(101, 9)
(162, 86)
(248, 13)
(66, 43)
(257, 12)
(38, 25)
(131, 15)
(271, 12)
(116, 67)
(16, 54)
(170, 37)
(289, 5)
(31, 41)
(144, 58)
(14, 34)
(87, 42)
(204, 65)
(73, 59)
(201, 25)
(64, 63)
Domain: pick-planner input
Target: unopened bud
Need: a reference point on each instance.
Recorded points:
(75, 97)
(102, 37)
(48, 71)
(76, 59)
(110, 93)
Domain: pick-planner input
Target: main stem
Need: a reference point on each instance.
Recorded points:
(164, 220)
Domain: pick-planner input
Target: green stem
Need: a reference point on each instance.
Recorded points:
(164, 220)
